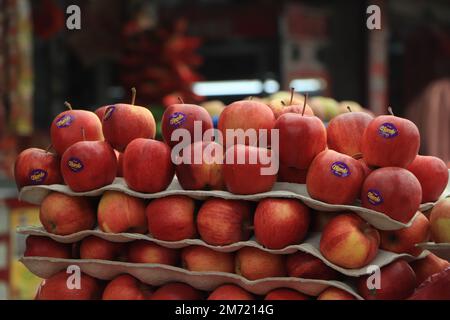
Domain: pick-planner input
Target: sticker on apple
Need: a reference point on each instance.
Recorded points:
(38, 176)
(177, 119)
(388, 130)
(374, 197)
(64, 121)
(109, 112)
(75, 164)
(340, 169)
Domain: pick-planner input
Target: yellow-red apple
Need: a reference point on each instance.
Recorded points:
(306, 266)
(142, 251)
(254, 264)
(203, 259)
(440, 221)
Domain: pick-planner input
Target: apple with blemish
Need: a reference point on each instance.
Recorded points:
(37, 167)
(123, 123)
(63, 215)
(119, 212)
(349, 242)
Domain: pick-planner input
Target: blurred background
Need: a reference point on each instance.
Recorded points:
(210, 52)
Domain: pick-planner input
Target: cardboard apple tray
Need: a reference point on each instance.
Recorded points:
(35, 195)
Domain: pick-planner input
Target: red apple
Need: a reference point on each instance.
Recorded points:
(306, 266)
(246, 114)
(97, 248)
(432, 174)
(176, 291)
(245, 172)
(404, 240)
(292, 175)
(426, 267)
(440, 221)
(302, 138)
(63, 215)
(334, 178)
(434, 288)
(183, 116)
(230, 292)
(72, 126)
(395, 192)
(123, 123)
(119, 212)
(344, 132)
(142, 251)
(281, 222)
(100, 112)
(397, 282)
(119, 156)
(333, 293)
(171, 218)
(88, 165)
(390, 141)
(285, 294)
(367, 170)
(147, 166)
(202, 259)
(36, 166)
(349, 242)
(254, 264)
(37, 246)
(126, 287)
(56, 288)
(221, 222)
(207, 173)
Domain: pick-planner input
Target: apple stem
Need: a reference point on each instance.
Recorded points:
(68, 105)
(357, 156)
(390, 111)
(250, 98)
(133, 96)
(48, 148)
(304, 104)
(83, 133)
(180, 100)
(349, 109)
(283, 103)
(292, 96)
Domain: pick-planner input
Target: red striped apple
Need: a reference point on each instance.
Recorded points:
(207, 173)
(56, 288)
(63, 215)
(176, 291)
(285, 294)
(88, 165)
(37, 167)
(349, 242)
(183, 116)
(432, 174)
(333, 293)
(334, 178)
(390, 141)
(306, 266)
(126, 287)
(123, 123)
(203, 259)
(281, 222)
(171, 218)
(142, 251)
(119, 212)
(68, 126)
(395, 192)
(397, 282)
(97, 248)
(254, 264)
(405, 240)
(246, 171)
(246, 114)
(37, 246)
(344, 132)
(230, 292)
(440, 221)
(221, 222)
(147, 166)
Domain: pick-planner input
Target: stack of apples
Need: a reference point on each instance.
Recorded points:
(356, 157)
